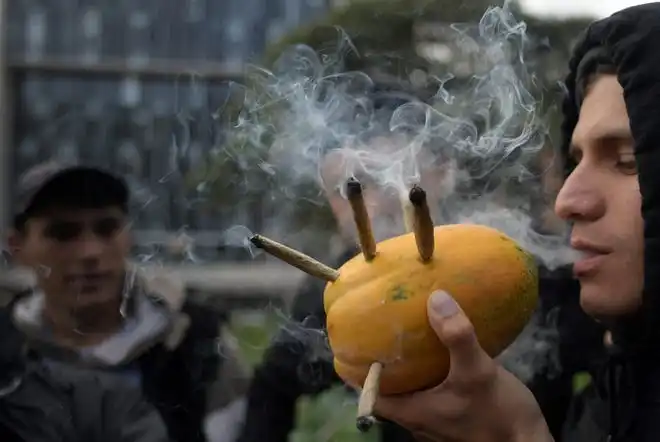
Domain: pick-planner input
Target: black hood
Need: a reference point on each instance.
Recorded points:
(630, 40)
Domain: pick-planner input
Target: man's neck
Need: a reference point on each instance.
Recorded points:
(83, 327)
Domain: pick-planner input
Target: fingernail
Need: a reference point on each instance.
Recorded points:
(443, 304)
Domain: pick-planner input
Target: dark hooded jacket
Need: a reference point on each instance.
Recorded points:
(624, 402)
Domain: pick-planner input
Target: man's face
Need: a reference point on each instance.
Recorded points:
(78, 255)
(384, 202)
(602, 201)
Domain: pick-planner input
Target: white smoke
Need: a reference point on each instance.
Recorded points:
(484, 131)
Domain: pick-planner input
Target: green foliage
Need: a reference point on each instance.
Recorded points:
(381, 32)
(580, 382)
(328, 417)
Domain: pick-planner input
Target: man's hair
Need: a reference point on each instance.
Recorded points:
(73, 191)
(595, 63)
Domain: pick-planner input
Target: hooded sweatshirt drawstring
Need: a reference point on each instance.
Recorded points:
(616, 386)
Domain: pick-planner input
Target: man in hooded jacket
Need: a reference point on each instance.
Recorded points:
(612, 198)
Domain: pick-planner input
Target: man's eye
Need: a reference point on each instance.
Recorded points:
(107, 227)
(627, 166)
(63, 231)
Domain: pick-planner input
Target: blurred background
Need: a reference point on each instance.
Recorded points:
(136, 85)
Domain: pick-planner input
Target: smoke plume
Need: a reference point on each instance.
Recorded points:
(478, 136)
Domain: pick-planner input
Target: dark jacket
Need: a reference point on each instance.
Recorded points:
(623, 403)
(82, 410)
(38, 407)
(177, 380)
(175, 374)
(579, 343)
(297, 363)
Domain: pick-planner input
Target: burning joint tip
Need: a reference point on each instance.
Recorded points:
(353, 188)
(361, 218)
(422, 223)
(364, 423)
(417, 195)
(257, 241)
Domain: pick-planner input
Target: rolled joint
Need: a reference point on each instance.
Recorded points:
(365, 415)
(422, 223)
(257, 241)
(417, 196)
(361, 218)
(353, 188)
(295, 258)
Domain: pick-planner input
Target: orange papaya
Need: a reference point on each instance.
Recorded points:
(376, 309)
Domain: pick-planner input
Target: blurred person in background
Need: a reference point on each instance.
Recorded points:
(92, 314)
(38, 406)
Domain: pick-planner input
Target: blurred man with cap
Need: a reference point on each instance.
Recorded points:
(93, 314)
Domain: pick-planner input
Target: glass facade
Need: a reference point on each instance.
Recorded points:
(152, 129)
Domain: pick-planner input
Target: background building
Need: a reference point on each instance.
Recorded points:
(133, 85)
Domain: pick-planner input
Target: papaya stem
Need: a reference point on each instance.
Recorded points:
(365, 411)
(361, 218)
(422, 223)
(295, 258)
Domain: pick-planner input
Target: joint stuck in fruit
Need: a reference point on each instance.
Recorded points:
(375, 303)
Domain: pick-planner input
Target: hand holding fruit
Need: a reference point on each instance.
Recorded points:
(376, 303)
(478, 401)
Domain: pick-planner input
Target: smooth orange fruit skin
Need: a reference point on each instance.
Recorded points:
(376, 311)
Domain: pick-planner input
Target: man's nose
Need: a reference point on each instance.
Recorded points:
(89, 247)
(579, 200)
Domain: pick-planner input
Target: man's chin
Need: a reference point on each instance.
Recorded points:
(605, 307)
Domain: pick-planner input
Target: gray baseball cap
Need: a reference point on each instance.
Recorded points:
(53, 183)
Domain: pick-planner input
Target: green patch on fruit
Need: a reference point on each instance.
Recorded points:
(399, 293)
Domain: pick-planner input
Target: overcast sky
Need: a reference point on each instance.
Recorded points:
(595, 8)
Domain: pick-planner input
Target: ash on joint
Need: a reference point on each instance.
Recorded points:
(417, 195)
(353, 188)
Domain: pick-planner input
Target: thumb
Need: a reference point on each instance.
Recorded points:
(456, 332)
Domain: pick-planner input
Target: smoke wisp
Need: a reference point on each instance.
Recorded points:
(306, 126)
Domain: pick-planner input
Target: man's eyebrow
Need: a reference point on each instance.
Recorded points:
(609, 134)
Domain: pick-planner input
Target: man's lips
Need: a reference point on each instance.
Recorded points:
(87, 279)
(593, 256)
